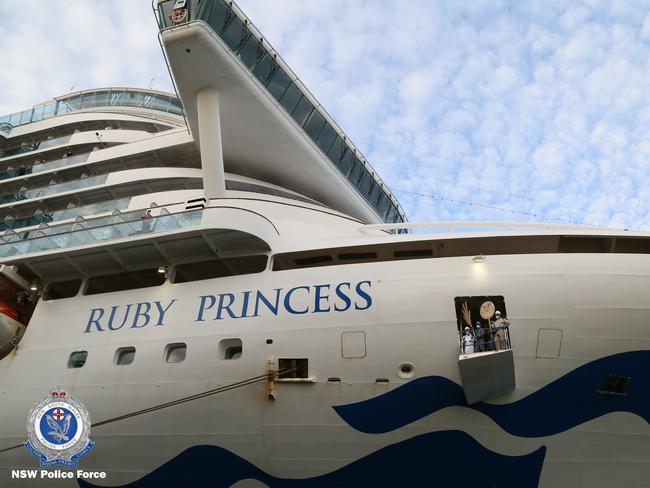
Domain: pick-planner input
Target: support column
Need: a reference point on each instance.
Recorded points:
(207, 107)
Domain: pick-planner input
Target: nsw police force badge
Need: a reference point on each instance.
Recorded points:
(58, 428)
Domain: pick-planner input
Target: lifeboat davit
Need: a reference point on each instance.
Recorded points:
(10, 329)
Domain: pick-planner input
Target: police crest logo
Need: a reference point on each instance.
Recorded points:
(57, 429)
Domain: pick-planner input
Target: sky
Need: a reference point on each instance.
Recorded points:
(481, 110)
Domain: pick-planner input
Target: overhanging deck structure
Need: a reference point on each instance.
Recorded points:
(271, 127)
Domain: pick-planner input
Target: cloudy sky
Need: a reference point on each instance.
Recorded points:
(480, 110)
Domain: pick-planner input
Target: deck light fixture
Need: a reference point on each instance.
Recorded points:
(479, 259)
(162, 270)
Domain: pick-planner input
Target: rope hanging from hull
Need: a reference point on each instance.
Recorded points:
(269, 376)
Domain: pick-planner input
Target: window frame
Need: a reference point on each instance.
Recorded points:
(174, 346)
(85, 359)
(124, 350)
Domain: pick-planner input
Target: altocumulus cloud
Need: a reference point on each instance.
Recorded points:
(49, 47)
(537, 107)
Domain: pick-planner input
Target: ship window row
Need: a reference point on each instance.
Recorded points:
(441, 248)
(176, 352)
(182, 273)
(459, 247)
(235, 33)
(98, 98)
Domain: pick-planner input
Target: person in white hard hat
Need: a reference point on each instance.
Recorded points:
(499, 328)
(468, 341)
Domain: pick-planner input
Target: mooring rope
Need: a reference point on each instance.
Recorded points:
(197, 396)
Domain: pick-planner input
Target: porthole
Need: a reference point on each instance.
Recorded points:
(124, 356)
(77, 359)
(230, 349)
(406, 370)
(175, 353)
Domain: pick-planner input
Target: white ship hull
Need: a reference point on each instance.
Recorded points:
(252, 240)
(598, 301)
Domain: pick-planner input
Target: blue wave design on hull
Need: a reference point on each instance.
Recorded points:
(561, 405)
(432, 459)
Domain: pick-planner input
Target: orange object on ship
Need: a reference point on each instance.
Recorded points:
(8, 310)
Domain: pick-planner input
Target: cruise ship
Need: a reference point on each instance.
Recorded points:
(236, 298)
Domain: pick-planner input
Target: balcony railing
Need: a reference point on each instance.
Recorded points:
(93, 231)
(112, 97)
(46, 216)
(53, 188)
(44, 166)
(46, 144)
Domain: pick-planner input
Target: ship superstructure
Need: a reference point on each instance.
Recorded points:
(233, 293)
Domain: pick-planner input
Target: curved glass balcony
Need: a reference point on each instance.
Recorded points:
(255, 54)
(93, 231)
(22, 221)
(46, 144)
(46, 166)
(55, 188)
(109, 97)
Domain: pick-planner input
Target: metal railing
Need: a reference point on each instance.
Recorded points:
(105, 97)
(484, 342)
(21, 221)
(92, 231)
(44, 166)
(53, 188)
(40, 146)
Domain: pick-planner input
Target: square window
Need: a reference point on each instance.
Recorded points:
(293, 368)
(77, 359)
(175, 353)
(230, 349)
(124, 356)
